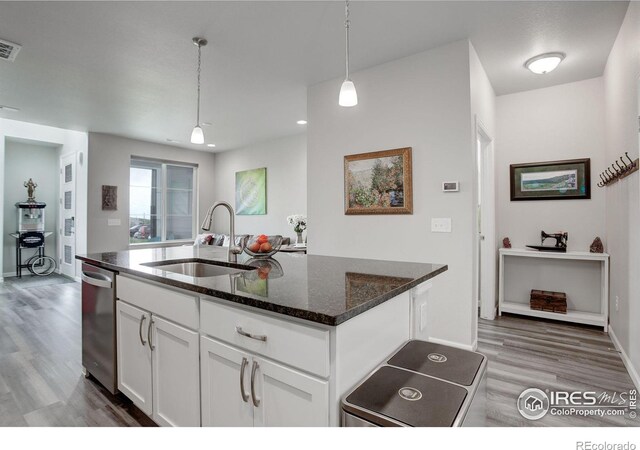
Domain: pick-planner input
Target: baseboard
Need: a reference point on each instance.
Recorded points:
(8, 275)
(471, 347)
(493, 316)
(633, 373)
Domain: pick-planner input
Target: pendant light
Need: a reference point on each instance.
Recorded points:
(348, 95)
(197, 135)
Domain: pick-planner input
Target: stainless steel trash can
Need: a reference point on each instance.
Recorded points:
(421, 385)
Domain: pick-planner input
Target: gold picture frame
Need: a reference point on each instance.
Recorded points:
(378, 182)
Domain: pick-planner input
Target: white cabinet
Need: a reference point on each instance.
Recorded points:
(242, 389)
(158, 364)
(176, 378)
(134, 355)
(225, 398)
(288, 398)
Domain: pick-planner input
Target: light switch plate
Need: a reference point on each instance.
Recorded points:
(114, 222)
(441, 225)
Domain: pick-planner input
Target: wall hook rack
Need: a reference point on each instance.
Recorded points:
(618, 171)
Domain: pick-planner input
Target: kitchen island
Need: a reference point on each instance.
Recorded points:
(274, 342)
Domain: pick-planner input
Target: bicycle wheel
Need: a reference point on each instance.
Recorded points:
(42, 265)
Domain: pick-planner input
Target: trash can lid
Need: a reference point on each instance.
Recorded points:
(407, 397)
(440, 361)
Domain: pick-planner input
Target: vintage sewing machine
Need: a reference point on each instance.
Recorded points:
(561, 242)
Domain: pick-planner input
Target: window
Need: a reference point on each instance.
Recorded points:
(161, 201)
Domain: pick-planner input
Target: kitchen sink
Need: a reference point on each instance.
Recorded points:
(199, 268)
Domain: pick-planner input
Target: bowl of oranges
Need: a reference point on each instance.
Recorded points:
(263, 246)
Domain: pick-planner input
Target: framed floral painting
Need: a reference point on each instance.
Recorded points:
(378, 182)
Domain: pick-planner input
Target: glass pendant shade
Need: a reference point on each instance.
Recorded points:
(197, 136)
(348, 95)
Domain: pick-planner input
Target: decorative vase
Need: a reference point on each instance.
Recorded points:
(299, 240)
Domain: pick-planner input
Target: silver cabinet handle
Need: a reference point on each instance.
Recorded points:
(245, 396)
(151, 322)
(142, 341)
(254, 368)
(257, 337)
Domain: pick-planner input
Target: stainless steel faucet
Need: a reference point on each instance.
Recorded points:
(234, 250)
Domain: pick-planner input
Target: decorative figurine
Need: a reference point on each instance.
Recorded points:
(31, 189)
(596, 246)
(506, 243)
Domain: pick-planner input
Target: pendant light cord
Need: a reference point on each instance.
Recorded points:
(199, 63)
(347, 24)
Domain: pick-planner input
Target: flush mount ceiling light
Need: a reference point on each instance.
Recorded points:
(9, 108)
(197, 135)
(544, 63)
(211, 145)
(301, 122)
(348, 95)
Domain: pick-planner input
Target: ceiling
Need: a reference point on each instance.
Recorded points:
(128, 68)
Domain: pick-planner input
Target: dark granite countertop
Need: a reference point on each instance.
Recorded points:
(323, 289)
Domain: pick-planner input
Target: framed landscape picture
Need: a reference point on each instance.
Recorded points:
(553, 180)
(378, 182)
(251, 192)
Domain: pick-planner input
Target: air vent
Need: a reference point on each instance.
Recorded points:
(8, 50)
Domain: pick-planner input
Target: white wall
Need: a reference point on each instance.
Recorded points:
(423, 102)
(70, 142)
(286, 163)
(109, 163)
(621, 84)
(23, 161)
(483, 115)
(555, 123)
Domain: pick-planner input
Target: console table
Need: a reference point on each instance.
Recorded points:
(583, 276)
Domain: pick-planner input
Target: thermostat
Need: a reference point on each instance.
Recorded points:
(450, 186)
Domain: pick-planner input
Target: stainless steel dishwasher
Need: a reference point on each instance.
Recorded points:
(99, 325)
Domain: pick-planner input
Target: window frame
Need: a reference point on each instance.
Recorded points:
(163, 242)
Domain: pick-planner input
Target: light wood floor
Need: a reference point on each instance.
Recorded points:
(40, 360)
(41, 382)
(526, 353)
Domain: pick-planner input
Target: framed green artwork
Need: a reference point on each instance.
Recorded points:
(551, 180)
(251, 192)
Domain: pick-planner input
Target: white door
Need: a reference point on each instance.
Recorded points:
(134, 355)
(176, 374)
(284, 397)
(67, 215)
(226, 396)
(487, 248)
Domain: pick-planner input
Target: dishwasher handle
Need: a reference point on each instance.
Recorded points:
(96, 279)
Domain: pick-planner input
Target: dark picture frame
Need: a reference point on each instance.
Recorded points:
(379, 182)
(109, 198)
(568, 179)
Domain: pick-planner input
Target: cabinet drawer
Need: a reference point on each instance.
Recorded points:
(174, 305)
(304, 347)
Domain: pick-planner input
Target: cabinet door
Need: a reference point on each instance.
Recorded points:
(134, 355)
(223, 402)
(176, 374)
(288, 398)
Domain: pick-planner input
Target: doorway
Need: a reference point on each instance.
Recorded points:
(486, 218)
(24, 160)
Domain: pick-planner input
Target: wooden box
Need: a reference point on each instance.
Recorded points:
(549, 301)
